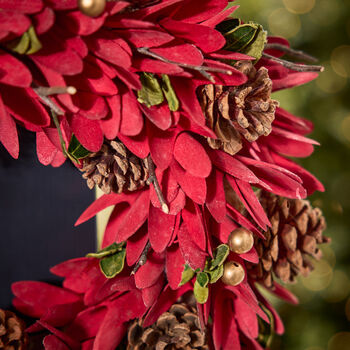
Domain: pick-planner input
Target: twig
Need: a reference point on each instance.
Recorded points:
(298, 54)
(143, 258)
(153, 179)
(60, 135)
(201, 69)
(48, 102)
(294, 66)
(55, 90)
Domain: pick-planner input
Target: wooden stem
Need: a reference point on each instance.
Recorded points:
(298, 54)
(143, 258)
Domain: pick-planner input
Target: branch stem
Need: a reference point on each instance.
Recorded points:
(298, 54)
(153, 179)
(143, 258)
(294, 66)
(201, 69)
(55, 90)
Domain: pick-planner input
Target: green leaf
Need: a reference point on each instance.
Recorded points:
(35, 44)
(202, 279)
(256, 47)
(200, 293)
(187, 275)
(111, 265)
(240, 37)
(216, 274)
(228, 25)
(21, 44)
(266, 331)
(111, 249)
(76, 150)
(220, 254)
(151, 93)
(169, 93)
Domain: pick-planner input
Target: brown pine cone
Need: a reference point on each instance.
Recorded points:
(12, 336)
(176, 329)
(235, 111)
(115, 169)
(297, 229)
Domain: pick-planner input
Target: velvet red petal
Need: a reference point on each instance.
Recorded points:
(192, 156)
(216, 201)
(160, 116)
(51, 342)
(175, 264)
(132, 121)
(110, 125)
(246, 319)
(150, 294)
(160, 228)
(45, 150)
(136, 144)
(135, 245)
(91, 106)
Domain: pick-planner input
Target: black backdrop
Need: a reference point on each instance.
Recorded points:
(38, 208)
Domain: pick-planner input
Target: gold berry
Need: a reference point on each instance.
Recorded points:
(233, 273)
(92, 8)
(240, 241)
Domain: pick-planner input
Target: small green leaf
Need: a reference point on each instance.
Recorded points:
(187, 275)
(241, 36)
(228, 25)
(220, 255)
(200, 293)
(216, 274)
(35, 44)
(203, 279)
(151, 93)
(111, 265)
(76, 150)
(266, 331)
(21, 44)
(169, 93)
(256, 47)
(111, 249)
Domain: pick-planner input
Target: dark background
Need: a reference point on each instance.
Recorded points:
(38, 208)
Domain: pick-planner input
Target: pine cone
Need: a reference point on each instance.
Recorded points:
(12, 336)
(297, 228)
(235, 111)
(176, 329)
(115, 169)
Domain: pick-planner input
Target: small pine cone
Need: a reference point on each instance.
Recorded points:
(176, 329)
(235, 111)
(115, 169)
(296, 230)
(12, 336)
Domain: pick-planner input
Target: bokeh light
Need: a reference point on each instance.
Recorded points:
(299, 6)
(283, 23)
(340, 341)
(340, 60)
(329, 82)
(320, 278)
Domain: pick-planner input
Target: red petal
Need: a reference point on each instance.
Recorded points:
(192, 254)
(22, 5)
(160, 116)
(44, 20)
(135, 245)
(110, 125)
(137, 144)
(14, 22)
(277, 40)
(229, 55)
(150, 294)
(144, 64)
(251, 256)
(175, 264)
(88, 132)
(194, 187)
(13, 72)
(148, 274)
(216, 201)
(178, 203)
(192, 156)
(192, 217)
(284, 294)
(135, 217)
(232, 166)
(207, 39)
(213, 21)
(8, 132)
(132, 121)
(160, 228)
(130, 79)
(90, 105)
(51, 342)
(45, 150)
(167, 298)
(246, 319)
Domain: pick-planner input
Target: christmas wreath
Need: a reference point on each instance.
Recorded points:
(166, 106)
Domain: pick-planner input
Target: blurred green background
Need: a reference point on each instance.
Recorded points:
(321, 28)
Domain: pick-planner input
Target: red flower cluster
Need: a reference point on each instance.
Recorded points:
(107, 59)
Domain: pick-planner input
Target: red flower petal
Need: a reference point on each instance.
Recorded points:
(14, 22)
(148, 274)
(192, 156)
(91, 106)
(8, 132)
(206, 38)
(136, 144)
(45, 150)
(22, 5)
(150, 294)
(276, 40)
(160, 228)
(192, 217)
(246, 319)
(13, 72)
(158, 115)
(213, 21)
(144, 64)
(111, 124)
(284, 294)
(229, 55)
(130, 79)
(51, 342)
(216, 201)
(192, 254)
(251, 256)
(135, 245)
(132, 121)
(175, 264)
(135, 217)
(88, 132)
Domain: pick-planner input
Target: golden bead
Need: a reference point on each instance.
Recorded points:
(233, 273)
(92, 8)
(240, 241)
